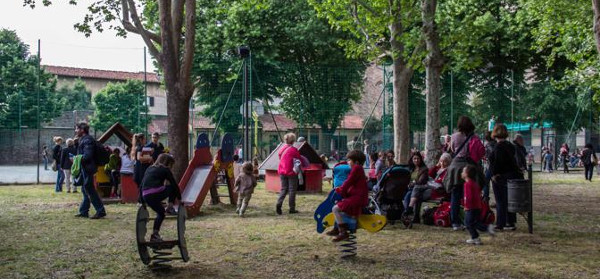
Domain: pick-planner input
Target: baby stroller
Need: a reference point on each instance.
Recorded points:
(389, 192)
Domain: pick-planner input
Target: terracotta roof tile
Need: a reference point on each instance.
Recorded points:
(99, 74)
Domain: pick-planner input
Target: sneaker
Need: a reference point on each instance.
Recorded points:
(69, 191)
(510, 228)
(458, 227)
(155, 237)
(294, 211)
(490, 230)
(278, 209)
(171, 211)
(98, 215)
(75, 191)
(82, 215)
(475, 241)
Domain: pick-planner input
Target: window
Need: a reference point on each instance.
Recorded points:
(150, 101)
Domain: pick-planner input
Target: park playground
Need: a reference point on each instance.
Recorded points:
(43, 240)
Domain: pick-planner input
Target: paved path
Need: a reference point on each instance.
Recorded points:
(25, 174)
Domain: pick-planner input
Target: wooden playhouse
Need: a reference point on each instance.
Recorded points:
(313, 174)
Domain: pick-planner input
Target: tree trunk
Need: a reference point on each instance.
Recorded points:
(178, 119)
(401, 83)
(434, 63)
(596, 8)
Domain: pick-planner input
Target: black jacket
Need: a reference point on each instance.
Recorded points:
(56, 153)
(155, 176)
(65, 157)
(520, 156)
(86, 148)
(503, 160)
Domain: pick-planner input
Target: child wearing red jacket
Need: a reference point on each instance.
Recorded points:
(355, 195)
(473, 205)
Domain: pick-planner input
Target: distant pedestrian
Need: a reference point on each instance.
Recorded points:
(86, 148)
(45, 156)
(60, 175)
(520, 152)
(66, 161)
(287, 170)
(112, 170)
(590, 160)
(564, 156)
(156, 145)
(547, 161)
(127, 165)
(244, 186)
(142, 157)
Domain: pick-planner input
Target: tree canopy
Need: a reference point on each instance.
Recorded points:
(120, 102)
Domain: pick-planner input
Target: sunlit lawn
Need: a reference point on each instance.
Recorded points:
(42, 239)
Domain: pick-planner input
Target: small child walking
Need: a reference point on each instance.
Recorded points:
(244, 186)
(355, 195)
(473, 205)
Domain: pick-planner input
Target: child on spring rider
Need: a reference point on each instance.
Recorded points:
(355, 196)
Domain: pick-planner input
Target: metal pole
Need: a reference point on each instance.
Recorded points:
(246, 109)
(20, 111)
(250, 108)
(451, 103)
(145, 92)
(512, 100)
(38, 111)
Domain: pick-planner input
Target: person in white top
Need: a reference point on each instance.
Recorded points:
(126, 163)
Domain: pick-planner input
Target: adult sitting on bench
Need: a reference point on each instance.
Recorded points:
(433, 189)
(154, 191)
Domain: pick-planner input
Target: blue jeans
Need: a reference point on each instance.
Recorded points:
(90, 195)
(473, 223)
(456, 197)
(406, 200)
(45, 162)
(60, 178)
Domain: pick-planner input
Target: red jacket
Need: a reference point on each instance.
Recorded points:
(472, 196)
(287, 154)
(354, 192)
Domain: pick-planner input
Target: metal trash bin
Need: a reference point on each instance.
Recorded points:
(519, 196)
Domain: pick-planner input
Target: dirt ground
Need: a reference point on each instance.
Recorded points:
(42, 239)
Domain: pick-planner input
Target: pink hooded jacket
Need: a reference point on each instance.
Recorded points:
(287, 154)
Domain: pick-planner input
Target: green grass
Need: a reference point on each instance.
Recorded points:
(42, 239)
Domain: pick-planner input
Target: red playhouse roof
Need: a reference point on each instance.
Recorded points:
(272, 161)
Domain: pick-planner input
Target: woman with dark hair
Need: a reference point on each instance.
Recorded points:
(418, 187)
(154, 190)
(503, 166)
(466, 149)
(589, 159)
(142, 161)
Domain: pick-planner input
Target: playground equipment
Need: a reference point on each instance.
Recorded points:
(325, 218)
(202, 173)
(161, 250)
(129, 190)
(313, 174)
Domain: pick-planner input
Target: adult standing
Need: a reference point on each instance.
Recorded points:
(142, 160)
(66, 162)
(367, 151)
(589, 159)
(467, 149)
(520, 152)
(60, 175)
(45, 156)
(564, 156)
(503, 166)
(156, 145)
(288, 154)
(86, 148)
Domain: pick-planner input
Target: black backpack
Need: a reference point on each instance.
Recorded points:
(101, 154)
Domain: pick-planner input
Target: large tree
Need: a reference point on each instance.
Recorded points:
(294, 55)
(120, 102)
(168, 28)
(75, 96)
(388, 29)
(19, 89)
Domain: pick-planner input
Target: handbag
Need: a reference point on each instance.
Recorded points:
(54, 167)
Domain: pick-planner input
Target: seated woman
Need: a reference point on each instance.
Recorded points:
(154, 190)
(423, 192)
(418, 180)
(355, 195)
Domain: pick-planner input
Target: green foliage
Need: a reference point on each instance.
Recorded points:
(120, 102)
(76, 97)
(294, 55)
(19, 85)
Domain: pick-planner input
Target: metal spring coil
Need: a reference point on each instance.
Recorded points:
(348, 246)
(161, 257)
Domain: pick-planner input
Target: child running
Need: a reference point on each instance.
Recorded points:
(155, 191)
(355, 195)
(244, 186)
(473, 205)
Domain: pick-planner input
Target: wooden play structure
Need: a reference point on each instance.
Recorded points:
(313, 174)
(202, 172)
(129, 190)
(161, 250)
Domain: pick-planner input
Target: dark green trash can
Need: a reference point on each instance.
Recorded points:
(519, 196)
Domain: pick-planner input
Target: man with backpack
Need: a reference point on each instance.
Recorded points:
(91, 154)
